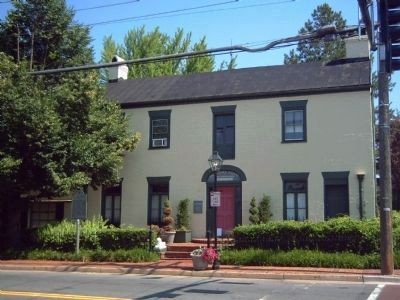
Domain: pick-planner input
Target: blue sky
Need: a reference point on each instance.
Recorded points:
(249, 22)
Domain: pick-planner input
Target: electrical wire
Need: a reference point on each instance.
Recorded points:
(320, 33)
(106, 5)
(149, 17)
(161, 13)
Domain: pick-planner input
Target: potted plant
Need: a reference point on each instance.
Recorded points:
(168, 223)
(201, 257)
(183, 233)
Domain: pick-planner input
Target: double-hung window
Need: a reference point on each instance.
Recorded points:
(224, 131)
(158, 193)
(160, 129)
(111, 206)
(294, 123)
(295, 196)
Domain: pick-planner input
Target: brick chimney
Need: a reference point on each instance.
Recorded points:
(357, 46)
(118, 72)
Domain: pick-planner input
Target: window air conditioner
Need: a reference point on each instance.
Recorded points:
(160, 142)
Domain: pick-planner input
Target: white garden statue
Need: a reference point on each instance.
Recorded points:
(160, 246)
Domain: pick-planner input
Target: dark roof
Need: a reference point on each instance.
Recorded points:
(282, 80)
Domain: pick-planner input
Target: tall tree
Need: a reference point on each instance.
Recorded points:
(319, 49)
(138, 43)
(44, 33)
(56, 133)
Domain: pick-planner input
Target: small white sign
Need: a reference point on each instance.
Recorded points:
(215, 199)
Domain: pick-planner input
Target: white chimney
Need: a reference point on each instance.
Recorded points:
(118, 72)
(357, 46)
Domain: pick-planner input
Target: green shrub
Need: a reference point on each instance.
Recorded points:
(98, 255)
(339, 234)
(254, 212)
(182, 216)
(264, 209)
(95, 234)
(123, 238)
(302, 258)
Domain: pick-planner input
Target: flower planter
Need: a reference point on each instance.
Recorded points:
(168, 237)
(183, 236)
(199, 263)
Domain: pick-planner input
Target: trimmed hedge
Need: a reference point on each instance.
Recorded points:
(121, 255)
(303, 258)
(95, 234)
(342, 234)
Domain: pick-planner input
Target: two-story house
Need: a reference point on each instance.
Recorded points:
(302, 134)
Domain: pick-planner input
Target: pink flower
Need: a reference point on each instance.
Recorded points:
(209, 255)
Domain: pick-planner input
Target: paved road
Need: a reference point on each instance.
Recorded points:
(90, 286)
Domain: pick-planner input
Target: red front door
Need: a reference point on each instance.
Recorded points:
(226, 212)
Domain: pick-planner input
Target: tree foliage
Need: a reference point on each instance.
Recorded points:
(59, 132)
(319, 49)
(54, 140)
(44, 33)
(141, 44)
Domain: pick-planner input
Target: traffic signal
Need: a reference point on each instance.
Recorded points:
(394, 32)
(389, 16)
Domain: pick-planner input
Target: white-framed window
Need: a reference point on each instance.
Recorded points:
(294, 125)
(42, 213)
(296, 201)
(160, 129)
(111, 206)
(294, 121)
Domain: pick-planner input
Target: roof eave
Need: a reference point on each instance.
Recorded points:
(246, 96)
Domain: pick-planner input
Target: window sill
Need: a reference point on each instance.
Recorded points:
(158, 148)
(293, 141)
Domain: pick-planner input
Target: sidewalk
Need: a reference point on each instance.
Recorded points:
(184, 268)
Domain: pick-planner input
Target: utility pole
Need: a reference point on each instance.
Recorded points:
(385, 186)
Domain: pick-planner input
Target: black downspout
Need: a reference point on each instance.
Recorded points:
(360, 178)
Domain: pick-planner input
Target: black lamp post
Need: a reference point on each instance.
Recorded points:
(215, 162)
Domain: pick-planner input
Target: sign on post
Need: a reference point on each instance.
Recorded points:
(79, 205)
(215, 199)
(78, 212)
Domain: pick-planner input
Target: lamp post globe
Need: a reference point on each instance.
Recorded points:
(215, 162)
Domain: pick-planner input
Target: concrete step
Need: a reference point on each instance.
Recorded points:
(223, 241)
(185, 246)
(177, 255)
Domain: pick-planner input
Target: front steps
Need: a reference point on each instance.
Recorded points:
(183, 250)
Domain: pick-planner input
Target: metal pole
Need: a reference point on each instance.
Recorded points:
(385, 187)
(360, 178)
(78, 225)
(216, 263)
(150, 236)
(215, 213)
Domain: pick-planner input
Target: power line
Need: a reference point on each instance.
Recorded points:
(161, 13)
(170, 14)
(106, 5)
(326, 30)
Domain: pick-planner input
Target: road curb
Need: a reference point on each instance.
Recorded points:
(222, 273)
(381, 278)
